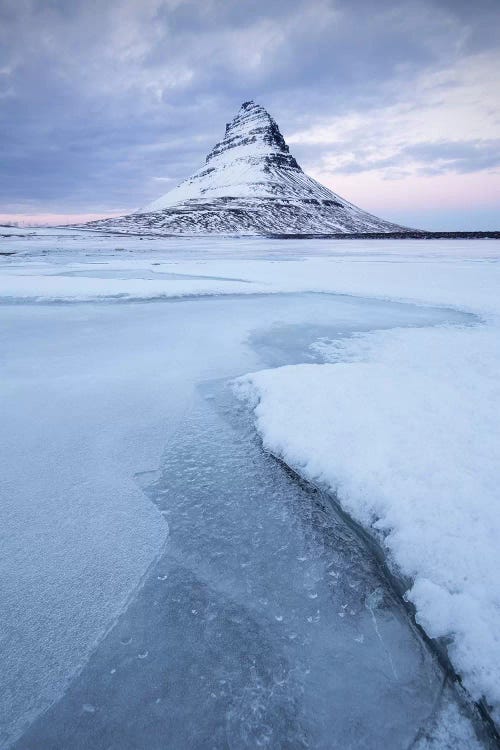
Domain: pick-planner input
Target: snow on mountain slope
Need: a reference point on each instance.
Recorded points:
(250, 183)
(252, 160)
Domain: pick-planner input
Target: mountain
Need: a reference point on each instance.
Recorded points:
(250, 184)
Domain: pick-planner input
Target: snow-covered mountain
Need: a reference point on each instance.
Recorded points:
(250, 183)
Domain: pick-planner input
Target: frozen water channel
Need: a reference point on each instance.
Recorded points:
(165, 583)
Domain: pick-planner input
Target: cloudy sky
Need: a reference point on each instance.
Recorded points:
(395, 105)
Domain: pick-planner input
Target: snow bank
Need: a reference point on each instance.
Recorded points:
(52, 288)
(459, 274)
(403, 425)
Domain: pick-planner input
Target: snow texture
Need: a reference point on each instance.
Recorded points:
(402, 424)
(403, 427)
(250, 183)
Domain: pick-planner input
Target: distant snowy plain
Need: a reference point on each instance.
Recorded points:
(402, 425)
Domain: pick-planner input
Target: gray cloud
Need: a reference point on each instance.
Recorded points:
(460, 157)
(96, 99)
(441, 157)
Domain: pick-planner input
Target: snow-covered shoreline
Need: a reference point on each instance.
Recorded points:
(403, 427)
(402, 424)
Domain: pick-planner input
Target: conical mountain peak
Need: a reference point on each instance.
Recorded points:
(251, 132)
(250, 183)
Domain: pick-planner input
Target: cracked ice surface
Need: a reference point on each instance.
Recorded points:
(266, 623)
(93, 395)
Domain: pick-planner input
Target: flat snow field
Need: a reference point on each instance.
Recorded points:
(401, 421)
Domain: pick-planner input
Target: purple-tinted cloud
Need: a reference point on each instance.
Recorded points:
(97, 100)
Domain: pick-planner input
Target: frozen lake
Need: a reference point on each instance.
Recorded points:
(165, 582)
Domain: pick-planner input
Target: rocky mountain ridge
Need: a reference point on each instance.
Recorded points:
(250, 184)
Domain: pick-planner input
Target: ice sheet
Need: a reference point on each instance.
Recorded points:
(93, 392)
(267, 622)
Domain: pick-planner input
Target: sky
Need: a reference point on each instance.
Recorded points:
(395, 105)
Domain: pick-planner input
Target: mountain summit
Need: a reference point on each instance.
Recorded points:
(250, 183)
(252, 160)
